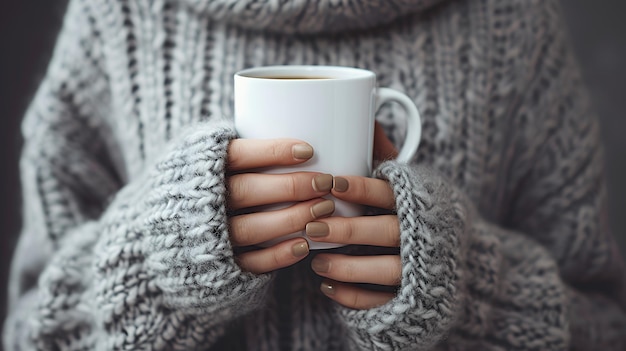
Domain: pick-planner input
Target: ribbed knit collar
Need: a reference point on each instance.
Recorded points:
(308, 16)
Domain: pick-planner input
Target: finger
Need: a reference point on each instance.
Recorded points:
(354, 297)
(258, 227)
(381, 270)
(383, 147)
(272, 258)
(254, 189)
(366, 191)
(255, 153)
(381, 230)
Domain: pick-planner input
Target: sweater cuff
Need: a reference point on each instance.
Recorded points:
(184, 224)
(432, 221)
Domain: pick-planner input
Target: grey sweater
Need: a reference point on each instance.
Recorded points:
(505, 242)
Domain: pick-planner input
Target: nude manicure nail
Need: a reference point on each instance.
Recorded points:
(302, 151)
(327, 288)
(340, 184)
(300, 249)
(323, 208)
(317, 229)
(323, 183)
(320, 265)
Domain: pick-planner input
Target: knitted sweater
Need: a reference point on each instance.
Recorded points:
(504, 237)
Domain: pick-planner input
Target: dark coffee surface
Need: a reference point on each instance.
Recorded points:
(294, 78)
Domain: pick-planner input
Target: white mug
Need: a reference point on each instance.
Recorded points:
(331, 108)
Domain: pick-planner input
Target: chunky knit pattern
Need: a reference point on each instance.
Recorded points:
(504, 236)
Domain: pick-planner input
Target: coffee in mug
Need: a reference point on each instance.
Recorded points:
(295, 77)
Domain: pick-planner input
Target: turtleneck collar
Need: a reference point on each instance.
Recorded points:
(308, 16)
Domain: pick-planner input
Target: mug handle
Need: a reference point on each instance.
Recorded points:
(414, 123)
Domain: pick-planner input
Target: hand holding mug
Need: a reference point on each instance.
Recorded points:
(343, 271)
(312, 212)
(248, 189)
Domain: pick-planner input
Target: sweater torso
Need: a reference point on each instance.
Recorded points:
(169, 67)
(162, 66)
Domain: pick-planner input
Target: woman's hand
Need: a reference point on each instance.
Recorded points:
(248, 190)
(382, 230)
(342, 271)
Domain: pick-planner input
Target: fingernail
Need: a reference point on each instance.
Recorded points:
(302, 151)
(340, 184)
(327, 288)
(300, 249)
(320, 265)
(323, 208)
(317, 229)
(323, 182)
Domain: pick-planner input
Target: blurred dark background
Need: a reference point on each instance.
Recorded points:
(28, 29)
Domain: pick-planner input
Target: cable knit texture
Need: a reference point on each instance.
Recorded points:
(301, 16)
(505, 242)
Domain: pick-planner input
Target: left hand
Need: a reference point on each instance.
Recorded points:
(341, 271)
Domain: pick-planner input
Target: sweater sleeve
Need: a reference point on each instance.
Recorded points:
(470, 284)
(548, 276)
(105, 264)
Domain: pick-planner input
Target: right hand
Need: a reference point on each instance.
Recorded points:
(248, 189)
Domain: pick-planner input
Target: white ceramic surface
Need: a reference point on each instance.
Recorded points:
(335, 115)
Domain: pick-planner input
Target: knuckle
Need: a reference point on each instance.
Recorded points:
(278, 151)
(274, 151)
(291, 186)
(347, 230)
(356, 299)
(349, 272)
(365, 190)
(277, 258)
(293, 220)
